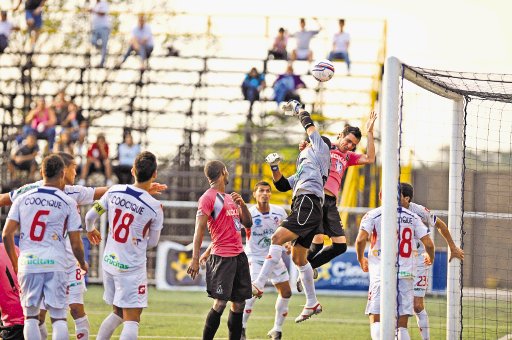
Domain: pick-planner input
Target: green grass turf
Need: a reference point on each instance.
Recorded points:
(180, 315)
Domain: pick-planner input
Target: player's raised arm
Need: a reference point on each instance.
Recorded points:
(90, 219)
(245, 215)
(445, 232)
(369, 157)
(201, 222)
(294, 108)
(360, 244)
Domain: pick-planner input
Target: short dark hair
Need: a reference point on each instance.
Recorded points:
(281, 30)
(352, 130)
(66, 158)
(341, 21)
(261, 184)
(406, 190)
(145, 166)
(52, 166)
(213, 169)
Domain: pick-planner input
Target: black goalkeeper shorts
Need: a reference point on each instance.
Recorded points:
(331, 221)
(305, 219)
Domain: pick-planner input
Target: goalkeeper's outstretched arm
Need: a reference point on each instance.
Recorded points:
(281, 183)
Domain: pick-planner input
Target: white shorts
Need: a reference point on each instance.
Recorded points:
(421, 281)
(278, 275)
(405, 297)
(128, 290)
(302, 54)
(52, 286)
(76, 286)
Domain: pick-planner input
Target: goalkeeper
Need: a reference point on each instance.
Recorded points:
(302, 224)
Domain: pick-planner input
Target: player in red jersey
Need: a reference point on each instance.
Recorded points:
(227, 268)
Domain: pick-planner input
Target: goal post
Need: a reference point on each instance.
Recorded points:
(395, 71)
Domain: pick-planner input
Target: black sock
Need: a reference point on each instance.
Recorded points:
(211, 325)
(327, 254)
(314, 248)
(235, 325)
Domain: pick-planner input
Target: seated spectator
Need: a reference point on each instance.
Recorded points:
(303, 38)
(340, 45)
(6, 27)
(141, 42)
(80, 147)
(278, 50)
(24, 158)
(286, 86)
(34, 17)
(253, 83)
(64, 143)
(40, 121)
(97, 161)
(72, 121)
(60, 106)
(127, 152)
(100, 28)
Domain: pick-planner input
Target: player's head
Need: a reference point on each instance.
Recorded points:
(52, 170)
(215, 171)
(406, 193)
(69, 167)
(349, 138)
(144, 167)
(262, 192)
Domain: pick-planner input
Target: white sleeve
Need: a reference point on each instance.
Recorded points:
(157, 223)
(154, 236)
(420, 230)
(74, 219)
(367, 223)
(82, 195)
(14, 211)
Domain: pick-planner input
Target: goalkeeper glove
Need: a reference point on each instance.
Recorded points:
(273, 160)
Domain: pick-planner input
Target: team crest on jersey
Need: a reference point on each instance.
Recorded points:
(142, 289)
(219, 290)
(136, 241)
(55, 237)
(257, 222)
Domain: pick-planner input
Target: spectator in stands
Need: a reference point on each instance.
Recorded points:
(340, 45)
(34, 17)
(60, 106)
(303, 37)
(278, 50)
(40, 121)
(64, 143)
(127, 152)
(100, 28)
(72, 121)
(141, 42)
(80, 147)
(97, 161)
(6, 27)
(286, 86)
(24, 157)
(253, 83)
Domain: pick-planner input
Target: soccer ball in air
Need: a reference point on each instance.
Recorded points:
(322, 70)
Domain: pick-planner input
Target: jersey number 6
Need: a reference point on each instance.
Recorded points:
(121, 231)
(37, 223)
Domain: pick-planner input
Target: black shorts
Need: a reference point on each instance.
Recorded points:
(305, 219)
(228, 278)
(12, 333)
(331, 222)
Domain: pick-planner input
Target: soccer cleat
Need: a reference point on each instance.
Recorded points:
(243, 335)
(308, 312)
(258, 293)
(275, 335)
(299, 282)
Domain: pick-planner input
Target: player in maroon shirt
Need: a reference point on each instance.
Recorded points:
(227, 268)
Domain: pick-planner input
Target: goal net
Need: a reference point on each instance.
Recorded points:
(449, 134)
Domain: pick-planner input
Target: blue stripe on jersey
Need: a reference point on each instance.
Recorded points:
(405, 212)
(136, 194)
(50, 192)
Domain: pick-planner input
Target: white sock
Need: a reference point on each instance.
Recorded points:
(108, 326)
(130, 330)
(43, 331)
(403, 334)
(375, 330)
(82, 328)
(308, 283)
(247, 310)
(60, 330)
(422, 320)
(281, 312)
(31, 329)
(274, 255)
